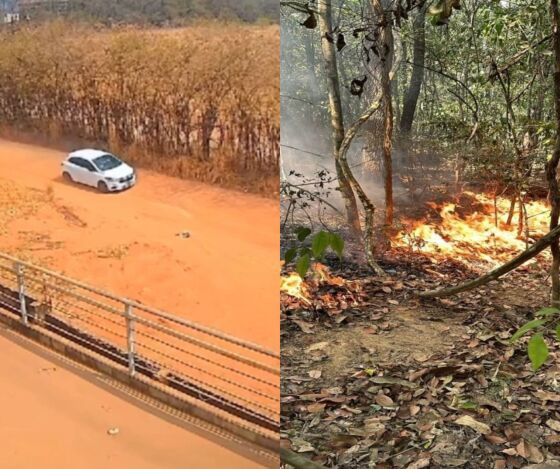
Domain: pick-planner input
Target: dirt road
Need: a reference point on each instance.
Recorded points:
(224, 275)
(56, 418)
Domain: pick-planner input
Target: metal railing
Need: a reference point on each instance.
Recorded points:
(235, 376)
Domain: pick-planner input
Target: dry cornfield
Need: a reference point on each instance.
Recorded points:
(199, 102)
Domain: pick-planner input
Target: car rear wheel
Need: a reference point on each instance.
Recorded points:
(102, 186)
(66, 176)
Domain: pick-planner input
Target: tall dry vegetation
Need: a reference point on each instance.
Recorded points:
(199, 102)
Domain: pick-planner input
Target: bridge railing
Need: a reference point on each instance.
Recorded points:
(233, 375)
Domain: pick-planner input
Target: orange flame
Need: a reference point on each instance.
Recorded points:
(297, 287)
(294, 285)
(476, 236)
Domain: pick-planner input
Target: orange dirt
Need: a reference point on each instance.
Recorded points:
(225, 275)
(55, 418)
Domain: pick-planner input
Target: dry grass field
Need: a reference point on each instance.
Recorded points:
(199, 103)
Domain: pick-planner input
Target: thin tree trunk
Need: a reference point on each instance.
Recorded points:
(369, 208)
(310, 72)
(552, 165)
(417, 76)
(335, 109)
(387, 45)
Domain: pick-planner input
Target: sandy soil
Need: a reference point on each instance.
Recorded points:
(225, 275)
(56, 418)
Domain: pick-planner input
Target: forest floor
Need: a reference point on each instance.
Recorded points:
(389, 380)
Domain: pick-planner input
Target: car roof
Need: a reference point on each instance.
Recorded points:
(87, 153)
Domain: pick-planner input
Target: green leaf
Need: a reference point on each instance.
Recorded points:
(304, 251)
(337, 244)
(526, 328)
(302, 265)
(290, 255)
(320, 243)
(547, 312)
(302, 233)
(558, 332)
(537, 351)
(468, 405)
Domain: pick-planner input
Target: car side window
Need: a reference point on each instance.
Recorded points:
(76, 161)
(86, 164)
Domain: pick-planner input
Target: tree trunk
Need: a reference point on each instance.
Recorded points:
(417, 76)
(386, 42)
(311, 76)
(335, 110)
(552, 165)
(369, 208)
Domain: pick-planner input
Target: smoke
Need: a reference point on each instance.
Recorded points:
(305, 137)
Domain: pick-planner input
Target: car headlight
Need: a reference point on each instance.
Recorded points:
(110, 179)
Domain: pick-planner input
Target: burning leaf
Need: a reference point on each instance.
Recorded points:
(468, 421)
(473, 236)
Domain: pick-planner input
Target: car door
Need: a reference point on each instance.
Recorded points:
(91, 174)
(80, 171)
(76, 169)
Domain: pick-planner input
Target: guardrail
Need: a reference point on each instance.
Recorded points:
(235, 376)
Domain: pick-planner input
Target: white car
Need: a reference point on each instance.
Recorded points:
(98, 169)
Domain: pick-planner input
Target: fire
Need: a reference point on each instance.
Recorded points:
(297, 287)
(476, 236)
(294, 285)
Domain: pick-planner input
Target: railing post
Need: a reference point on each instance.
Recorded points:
(130, 337)
(21, 291)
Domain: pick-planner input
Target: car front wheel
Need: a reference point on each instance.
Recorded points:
(66, 176)
(102, 186)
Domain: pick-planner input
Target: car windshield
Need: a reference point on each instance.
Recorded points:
(106, 162)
